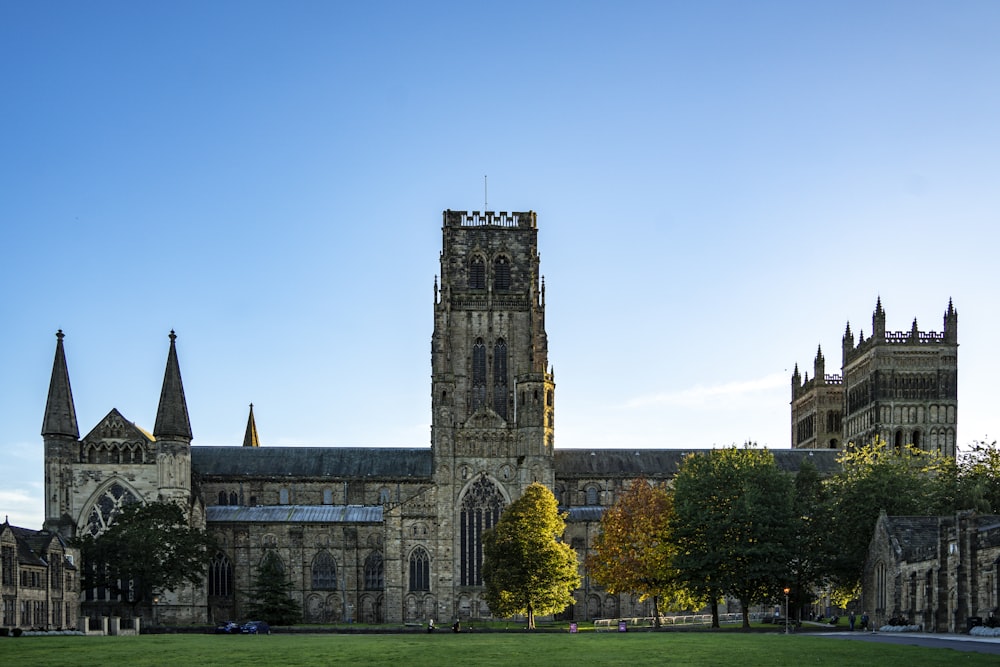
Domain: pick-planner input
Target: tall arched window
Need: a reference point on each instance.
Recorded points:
(374, 572)
(481, 509)
(478, 374)
(233, 498)
(324, 572)
(223, 498)
(220, 576)
(477, 273)
(500, 378)
(107, 507)
(501, 274)
(420, 570)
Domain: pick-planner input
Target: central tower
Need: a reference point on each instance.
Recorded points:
(493, 393)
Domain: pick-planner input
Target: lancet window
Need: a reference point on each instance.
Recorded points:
(480, 511)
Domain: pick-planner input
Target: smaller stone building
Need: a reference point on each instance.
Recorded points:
(38, 579)
(937, 572)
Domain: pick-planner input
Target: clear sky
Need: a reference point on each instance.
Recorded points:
(720, 188)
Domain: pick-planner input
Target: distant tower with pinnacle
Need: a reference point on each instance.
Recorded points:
(897, 386)
(492, 391)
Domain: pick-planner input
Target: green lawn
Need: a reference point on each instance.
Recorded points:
(451, 650)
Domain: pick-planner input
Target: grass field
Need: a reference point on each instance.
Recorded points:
(451, 650)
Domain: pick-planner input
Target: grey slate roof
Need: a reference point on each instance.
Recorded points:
(916, 537)
(294, 514)
(313, 462)
(663, 463)
(587, 513)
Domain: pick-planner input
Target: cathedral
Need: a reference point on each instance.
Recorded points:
(374, 535)
(899, 387)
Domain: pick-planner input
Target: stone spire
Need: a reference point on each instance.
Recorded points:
(251, 439)
(172, 422)
(60, 413)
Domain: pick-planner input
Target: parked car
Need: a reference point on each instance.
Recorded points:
(255, 628)
(228, 628)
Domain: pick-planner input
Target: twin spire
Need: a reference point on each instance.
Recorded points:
(172, 420)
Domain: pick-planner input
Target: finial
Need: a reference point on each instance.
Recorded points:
(60, 335)
(173, 336)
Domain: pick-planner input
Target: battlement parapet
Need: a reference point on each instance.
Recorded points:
(526, 219)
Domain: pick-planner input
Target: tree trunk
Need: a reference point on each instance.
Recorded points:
(656, 611)
(746, 614)
(715, 612)
(531, 617)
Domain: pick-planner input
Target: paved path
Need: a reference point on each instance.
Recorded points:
(957, 642)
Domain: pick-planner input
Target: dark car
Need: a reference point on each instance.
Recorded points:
(228, 628)
(255, 628)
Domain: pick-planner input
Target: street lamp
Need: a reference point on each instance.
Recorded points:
(786, 609)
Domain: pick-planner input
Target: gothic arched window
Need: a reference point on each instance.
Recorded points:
(478, 374)
(500, 378)
(220, 576)
(374, 572)
(324, 572)
(223, 499)
(480, 511)
(501, 274)
(233, 498)
(107, 508)
(420, 570)
(477, 273)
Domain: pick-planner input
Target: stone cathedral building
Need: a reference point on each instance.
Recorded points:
(897, 386)
(371, 534)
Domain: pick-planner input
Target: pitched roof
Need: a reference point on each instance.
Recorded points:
(294, 514)
(306, 462)
(915, 538)
(172, 419)
(664, 463)
(60, 413)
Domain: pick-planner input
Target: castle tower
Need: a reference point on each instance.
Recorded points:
(902, 386)
(817, 407)
(173, 434)
(61, 436)
(492, 389)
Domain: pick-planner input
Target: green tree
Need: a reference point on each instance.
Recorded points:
(149, 548)
(634, 551)
(733, 517)
(527, 568)
(874, 478)
(271, 599)
(812, 546)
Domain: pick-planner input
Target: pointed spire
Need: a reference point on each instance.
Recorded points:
(914, 331)
(60, 413)
(172, 420)
(878, 321)
(951, 323)
(251, 439)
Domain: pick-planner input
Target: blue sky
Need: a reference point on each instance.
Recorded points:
(720, 188)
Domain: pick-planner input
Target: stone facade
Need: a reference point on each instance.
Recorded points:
(897, 386)
(373, 534)
(936, 572)
(39, 582)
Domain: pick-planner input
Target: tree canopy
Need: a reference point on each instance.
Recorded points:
(876, 478)
(271, 598)
(149, 548)
(634, 552)
(733, 520)
(527, 569)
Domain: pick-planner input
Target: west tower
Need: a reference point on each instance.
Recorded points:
(492, 390)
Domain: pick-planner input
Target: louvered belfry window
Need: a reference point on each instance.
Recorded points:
(501, 274)
(477, 273)
(500, 377)
(478, 374)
